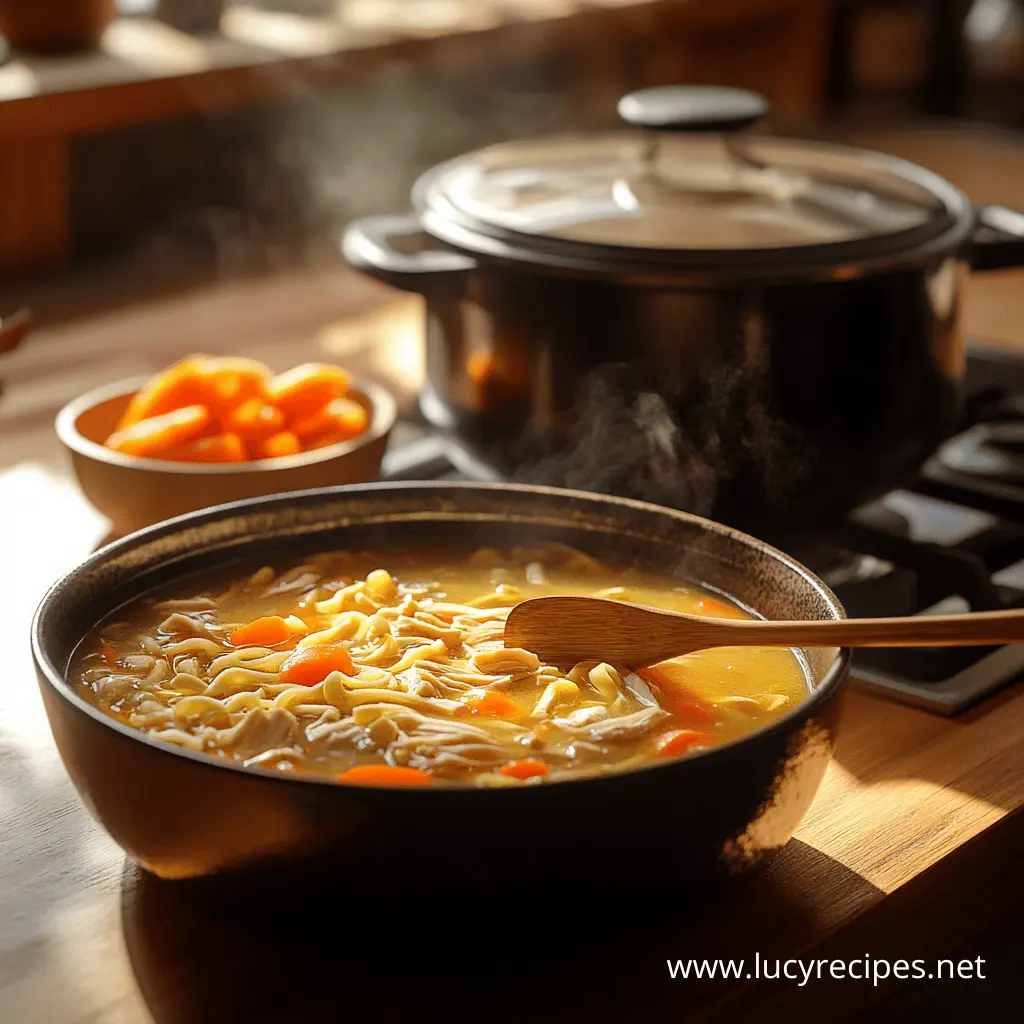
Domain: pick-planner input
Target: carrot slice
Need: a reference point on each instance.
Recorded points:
(306, 427)
(676, 698)
(307, 666)
(157, 433)
(385, 775)
(174, 388)
(235, 380)
(220, 383)
(108, 654)
(216, 448)
(304, 389)
(340, 420)
(278, 445)
(679, 741)
(494, 705)
(718, 609)
(351, 416)
(524, 769)
(264, 632)
(325, 441)
(255, 419)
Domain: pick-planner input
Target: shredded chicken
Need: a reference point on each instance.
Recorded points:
(261, 730)
(607, 729)
(582, 717)
(334, 736)
(180, 624)
(302, 577)
(628, 727)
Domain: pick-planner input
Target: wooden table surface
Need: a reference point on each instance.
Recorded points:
(911, 848)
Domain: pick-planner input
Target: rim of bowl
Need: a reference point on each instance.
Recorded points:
(832, 679)
(383, 414)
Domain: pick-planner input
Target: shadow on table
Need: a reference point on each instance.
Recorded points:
(338, 947)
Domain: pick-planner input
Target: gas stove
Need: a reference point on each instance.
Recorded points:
(951, 541)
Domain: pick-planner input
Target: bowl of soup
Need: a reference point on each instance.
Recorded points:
(318, 681)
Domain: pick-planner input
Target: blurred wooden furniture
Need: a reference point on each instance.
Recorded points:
(54, 26)
(775, 47)
(900, 53)
(147, 72)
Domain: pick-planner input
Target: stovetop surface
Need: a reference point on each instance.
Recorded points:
(951, 541)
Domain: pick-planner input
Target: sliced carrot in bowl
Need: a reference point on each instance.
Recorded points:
(528, 769)
(255, 419)
(180, 385)
(385, 775)
(277, 446)
(339, 420)
(325, 441)
(679, 741)
(307, 666)
(249, 413)
(220, 383)
(156, 434)
(493, 705)
(235, 380)
(674, 696)
(305, 389)
(216, 448)
(263, 632)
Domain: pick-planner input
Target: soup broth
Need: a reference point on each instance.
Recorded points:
(340, 668)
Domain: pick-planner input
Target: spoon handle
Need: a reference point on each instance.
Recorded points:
(973, 629)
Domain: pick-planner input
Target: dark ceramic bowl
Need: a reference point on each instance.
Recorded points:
(182, 814)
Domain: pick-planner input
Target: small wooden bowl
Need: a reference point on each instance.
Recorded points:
(134, 492)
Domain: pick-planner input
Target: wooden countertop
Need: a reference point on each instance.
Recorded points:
(911, 849)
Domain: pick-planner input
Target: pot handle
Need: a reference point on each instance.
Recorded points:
(367, 245)
(998, 239)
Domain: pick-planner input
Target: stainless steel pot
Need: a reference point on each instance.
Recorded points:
(749, 327)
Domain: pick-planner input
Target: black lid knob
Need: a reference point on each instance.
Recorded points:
(693, 108)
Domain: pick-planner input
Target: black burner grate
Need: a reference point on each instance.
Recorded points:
(952, 541)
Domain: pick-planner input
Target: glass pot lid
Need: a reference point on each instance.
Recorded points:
(688, 183)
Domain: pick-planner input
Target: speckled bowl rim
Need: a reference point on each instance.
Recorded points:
(830, 682)
(383, 414)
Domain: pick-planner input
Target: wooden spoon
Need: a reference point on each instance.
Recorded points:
(562, 631)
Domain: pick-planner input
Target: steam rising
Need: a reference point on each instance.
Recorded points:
(628, 442)
(682, 449)
(275, 185)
